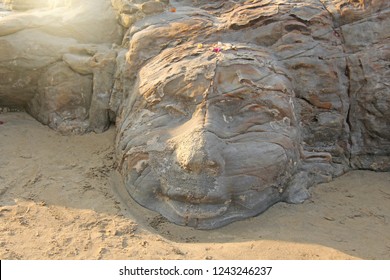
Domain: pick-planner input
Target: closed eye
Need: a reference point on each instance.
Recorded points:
(252, 107)
(233, 97)
(175, 110)
(259, 108)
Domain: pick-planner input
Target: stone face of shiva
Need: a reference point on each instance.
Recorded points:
(210, 138)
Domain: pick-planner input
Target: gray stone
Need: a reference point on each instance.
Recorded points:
(152, 7)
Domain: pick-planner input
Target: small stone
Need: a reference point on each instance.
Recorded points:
(329, 219)
(129, 9)
(127, 20)
(152, 7)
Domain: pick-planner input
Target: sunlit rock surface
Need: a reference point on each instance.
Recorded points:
(223, 108)
(57, 60)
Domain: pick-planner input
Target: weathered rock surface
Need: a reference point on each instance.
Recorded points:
(57, 60)
(222, 108)
(295, 93)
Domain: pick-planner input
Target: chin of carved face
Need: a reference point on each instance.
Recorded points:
(211, 149)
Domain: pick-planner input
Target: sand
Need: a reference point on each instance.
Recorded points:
(59, 199)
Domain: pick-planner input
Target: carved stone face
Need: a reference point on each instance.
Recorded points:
(210, 138)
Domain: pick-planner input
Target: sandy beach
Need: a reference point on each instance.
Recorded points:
(59, 199)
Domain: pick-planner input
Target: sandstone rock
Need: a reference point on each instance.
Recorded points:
(188, 148)
(62, 99)
(127, 8)
(68, 44)
(127, 20)
(152, 7)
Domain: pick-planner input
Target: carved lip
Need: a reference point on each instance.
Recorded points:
(190, 211)
(196, 198)
(203, 200)
(195, 189)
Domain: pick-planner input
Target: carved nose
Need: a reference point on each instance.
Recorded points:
(199, 152)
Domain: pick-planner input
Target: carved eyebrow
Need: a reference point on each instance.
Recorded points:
(248, 84)
(232, 95)
(252, 107)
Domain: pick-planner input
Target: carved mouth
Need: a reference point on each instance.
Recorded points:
(211, 215)
(194, 211)
(200, 209)
(193, 188)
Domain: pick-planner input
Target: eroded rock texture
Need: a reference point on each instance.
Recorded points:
(295, 94)
(223, 108)
(57, 60)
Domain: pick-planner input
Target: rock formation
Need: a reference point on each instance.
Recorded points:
(59, 61)
(222, 108)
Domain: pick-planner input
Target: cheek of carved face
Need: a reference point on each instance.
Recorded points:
(213, 154)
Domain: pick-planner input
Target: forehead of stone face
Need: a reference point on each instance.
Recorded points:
(230, 77)
(175, 73)
(257, 74)
(191, 73)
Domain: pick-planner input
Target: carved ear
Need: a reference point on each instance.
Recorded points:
(315, 167)
(320, 167)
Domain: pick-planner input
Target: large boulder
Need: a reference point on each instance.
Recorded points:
(58, 60)
(225, 108)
